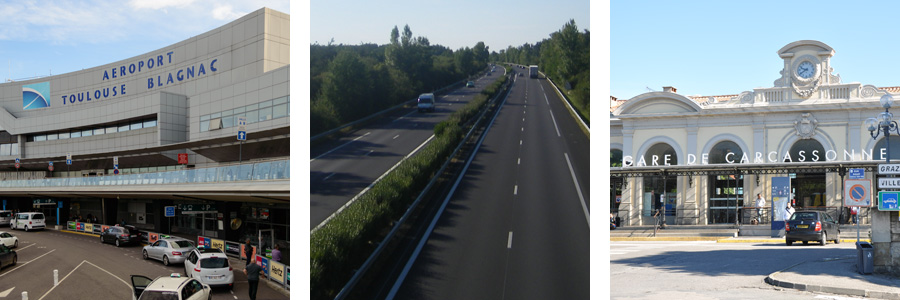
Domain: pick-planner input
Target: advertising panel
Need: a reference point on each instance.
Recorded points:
(277, 271)
(217, 244)
(79, 226)
(71, 225)
(264, 262)
(88, 227)
(232, 249)
(153, 237)
(203, 242)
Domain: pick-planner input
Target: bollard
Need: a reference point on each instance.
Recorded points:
(55, 277)
(24, 295)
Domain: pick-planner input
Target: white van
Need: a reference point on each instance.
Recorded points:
(5, 217)
(29, 220)
(426, 102)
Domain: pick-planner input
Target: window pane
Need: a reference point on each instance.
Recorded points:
(112, 129)
(4, 149)
(279, 111)
(14, 149)
(123, 128)
(227, 113)
(138, 125)
(280, 100)
(204, 126)
(204, 118)
(39, 138)
(150, 123)
(240, 110)
(265, 104)
(252, 116)
(52, 136)
(88, 132)
(99, 131)
(215, 115)
(265, 114)
(227, 121)
(63, 135)
(76, 134)
(252, 106)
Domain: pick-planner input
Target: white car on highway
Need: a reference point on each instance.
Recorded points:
(9, 240)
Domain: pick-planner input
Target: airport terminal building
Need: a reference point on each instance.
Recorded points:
(703, 159)
(202, 125)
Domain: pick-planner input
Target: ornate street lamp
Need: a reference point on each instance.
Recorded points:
(886, 124)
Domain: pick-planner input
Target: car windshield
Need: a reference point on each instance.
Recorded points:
(214, 263)
(182, 244)
(159, 295)
(803, 216)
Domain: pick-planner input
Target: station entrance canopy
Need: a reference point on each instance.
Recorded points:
(745, 169)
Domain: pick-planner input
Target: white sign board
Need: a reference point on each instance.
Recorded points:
(889, 169)
(858, 192)
(889, 183)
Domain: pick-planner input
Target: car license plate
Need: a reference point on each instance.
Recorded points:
(802, 226)
(216, 277)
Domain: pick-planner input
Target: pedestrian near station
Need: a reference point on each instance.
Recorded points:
(760, 204)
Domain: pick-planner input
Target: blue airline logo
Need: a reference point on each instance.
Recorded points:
(36, 95)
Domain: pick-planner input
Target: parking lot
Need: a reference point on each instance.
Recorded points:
(88, 269)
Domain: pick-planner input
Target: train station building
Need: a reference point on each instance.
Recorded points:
(202, 125)
(703, 159)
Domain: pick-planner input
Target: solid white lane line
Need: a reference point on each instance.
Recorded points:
(371, 185)
(329, 176)
(23, 264)
(587, 215)
(545, 99)
(509, 242)
(554, 123)
(339, 147)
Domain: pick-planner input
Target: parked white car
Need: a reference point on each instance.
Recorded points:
(173, 287)
(29, 221)
(9, 240)
(209, 266)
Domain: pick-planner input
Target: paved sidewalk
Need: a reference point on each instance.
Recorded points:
(836, 276)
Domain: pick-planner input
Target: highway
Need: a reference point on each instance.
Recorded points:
(342, 169)
(517, 227)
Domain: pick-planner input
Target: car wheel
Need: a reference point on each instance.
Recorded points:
(824, 239)
(165, 260)
(26, 228)
(145, 254)
(837, 240)
(117, 243)
(16, 245)
(789, 242)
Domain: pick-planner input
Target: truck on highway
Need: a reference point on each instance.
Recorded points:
(533, 71)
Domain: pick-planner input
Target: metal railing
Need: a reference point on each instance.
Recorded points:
(269, 170)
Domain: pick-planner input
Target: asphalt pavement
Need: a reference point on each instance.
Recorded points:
(838, 276)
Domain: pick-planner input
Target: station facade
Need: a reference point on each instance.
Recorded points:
(177, 108)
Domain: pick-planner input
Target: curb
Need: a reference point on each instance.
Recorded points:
(718, 239)
(770, 279)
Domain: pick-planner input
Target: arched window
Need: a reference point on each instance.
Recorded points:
(615, 158)
(806, 150)
(882, 143)
(719, 153)
(658, 153)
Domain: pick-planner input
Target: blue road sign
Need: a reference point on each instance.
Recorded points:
(170, 211)
(857, 173)
(116, 171)
(17, 160)
(68, 161)
(242, 136)
(51, 163)
(115, 166)
(888, 201)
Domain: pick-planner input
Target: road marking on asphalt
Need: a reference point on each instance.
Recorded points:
(370, 152)
(396, 136)
(520, 142)
(25, 263)
(404, 116)
(554, 123)
(519, 162)
(329, 176)
(509, 242)
(6, 292)
(587, 215)
(545, 98)
(339, 147)
(516, 190)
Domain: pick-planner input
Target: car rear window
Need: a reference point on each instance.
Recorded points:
(803, 216)
(214, 263)
(182, 244)
(159, 295)
(5, 214)
(38, 217)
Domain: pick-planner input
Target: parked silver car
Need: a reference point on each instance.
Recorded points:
(210, 266)
(169, 251)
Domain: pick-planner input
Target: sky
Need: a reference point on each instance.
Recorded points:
(41, 38)
(453, 24)
(726, 47)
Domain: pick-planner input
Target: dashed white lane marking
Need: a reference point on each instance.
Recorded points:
(329, 176)
(339, 147)
(520, 142)
(396, 136)
(554, 123)
(516, 190)
(370, 152)
(519, 162)
(509, 242)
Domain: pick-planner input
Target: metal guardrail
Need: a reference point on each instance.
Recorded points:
(345, 291)
(270, 170)
(569, 104)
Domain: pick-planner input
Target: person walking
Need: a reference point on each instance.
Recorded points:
(788, 211)
(253, 271)
(854, 212)
(760, 204)
(248, 251)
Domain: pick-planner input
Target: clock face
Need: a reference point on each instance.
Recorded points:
(806, 70)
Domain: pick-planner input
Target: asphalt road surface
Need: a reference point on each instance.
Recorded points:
(342, 169)
(710, 270)
(91, 270)
(517, 226)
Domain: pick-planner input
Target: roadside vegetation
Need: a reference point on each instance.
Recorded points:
(565, 58)
(349, 82)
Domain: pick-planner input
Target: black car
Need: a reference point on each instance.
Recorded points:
(7, 257)
(120, 236)
(805, 226)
